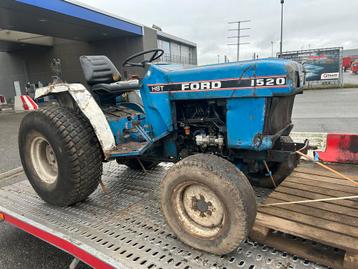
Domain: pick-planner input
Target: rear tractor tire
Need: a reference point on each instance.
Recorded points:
(60, 154)
(208, 203)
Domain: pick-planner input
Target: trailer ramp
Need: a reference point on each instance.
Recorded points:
(124, 228)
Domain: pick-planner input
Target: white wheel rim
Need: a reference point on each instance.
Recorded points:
(44, 159)
(200, 211)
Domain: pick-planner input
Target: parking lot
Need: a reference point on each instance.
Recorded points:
(219, 81)
(350, 78)
(331, 110)
(9, 157)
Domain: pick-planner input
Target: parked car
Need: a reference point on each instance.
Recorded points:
(354, 67)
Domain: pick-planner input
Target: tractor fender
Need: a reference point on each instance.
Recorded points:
(84, 100)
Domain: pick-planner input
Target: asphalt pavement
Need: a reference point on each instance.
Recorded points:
(350, 78)
(333, 110)
(19, 250)
(9, 125)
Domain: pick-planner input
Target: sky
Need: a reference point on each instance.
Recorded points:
(307, 23)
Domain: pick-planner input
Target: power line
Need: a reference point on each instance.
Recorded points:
(239, 36)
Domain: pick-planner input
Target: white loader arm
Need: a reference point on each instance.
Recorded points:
(89, 107)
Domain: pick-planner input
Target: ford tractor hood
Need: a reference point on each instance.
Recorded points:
(268, 77)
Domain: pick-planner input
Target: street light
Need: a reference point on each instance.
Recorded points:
(282, 2)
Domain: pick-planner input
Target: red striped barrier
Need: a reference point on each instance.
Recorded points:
(3, 100)
(341, 148)
(24, 102)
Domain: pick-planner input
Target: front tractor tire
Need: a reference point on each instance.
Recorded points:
(208, 203)
(60, 154)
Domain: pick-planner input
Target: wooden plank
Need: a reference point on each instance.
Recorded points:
(314, 221)
(333, 223)
(311, 195)
(317, 189)
(333, 259)
(350, 260)
(307, 231)
(259, 233)
(326, 185)
(314, 169)
(323, 205)
(323, 178)
(307, 209)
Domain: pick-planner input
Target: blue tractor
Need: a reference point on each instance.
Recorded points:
(224, 126)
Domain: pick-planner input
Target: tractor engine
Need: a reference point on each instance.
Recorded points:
(201, 126)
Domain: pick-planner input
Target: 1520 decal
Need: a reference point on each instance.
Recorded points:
(257, 82)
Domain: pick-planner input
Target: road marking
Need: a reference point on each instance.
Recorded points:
(12, 173)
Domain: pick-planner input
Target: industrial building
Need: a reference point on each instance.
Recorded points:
(34, 32)
(350, 52)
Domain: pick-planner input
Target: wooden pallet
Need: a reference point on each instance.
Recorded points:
(333, 223)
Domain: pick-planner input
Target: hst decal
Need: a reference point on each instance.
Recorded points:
(225, 84)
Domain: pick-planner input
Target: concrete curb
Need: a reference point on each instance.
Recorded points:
(318, 140)
(335, 148)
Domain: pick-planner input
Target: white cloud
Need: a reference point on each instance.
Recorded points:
(307, 23)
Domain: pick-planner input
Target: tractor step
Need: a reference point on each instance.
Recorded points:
(130, 149)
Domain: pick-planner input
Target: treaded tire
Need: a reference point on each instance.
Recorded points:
(229, 185)
(279, 172)
(76, 148)
(134, 164)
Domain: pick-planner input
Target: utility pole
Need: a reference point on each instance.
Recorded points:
(272, 49)
(282, 2)
(239, 36)
(218, 59)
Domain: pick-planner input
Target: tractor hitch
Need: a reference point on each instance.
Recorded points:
(288, 153)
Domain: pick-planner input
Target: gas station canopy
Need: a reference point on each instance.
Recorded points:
(35, 22)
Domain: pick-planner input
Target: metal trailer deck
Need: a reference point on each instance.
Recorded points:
(123, 228)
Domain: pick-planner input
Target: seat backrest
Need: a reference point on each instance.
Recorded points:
(99, 69)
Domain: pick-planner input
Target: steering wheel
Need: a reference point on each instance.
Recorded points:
(156, 54)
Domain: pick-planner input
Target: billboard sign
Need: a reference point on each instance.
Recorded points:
(319, 64)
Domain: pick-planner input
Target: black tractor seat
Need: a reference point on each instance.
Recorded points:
(116, 88)
(104, 80)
